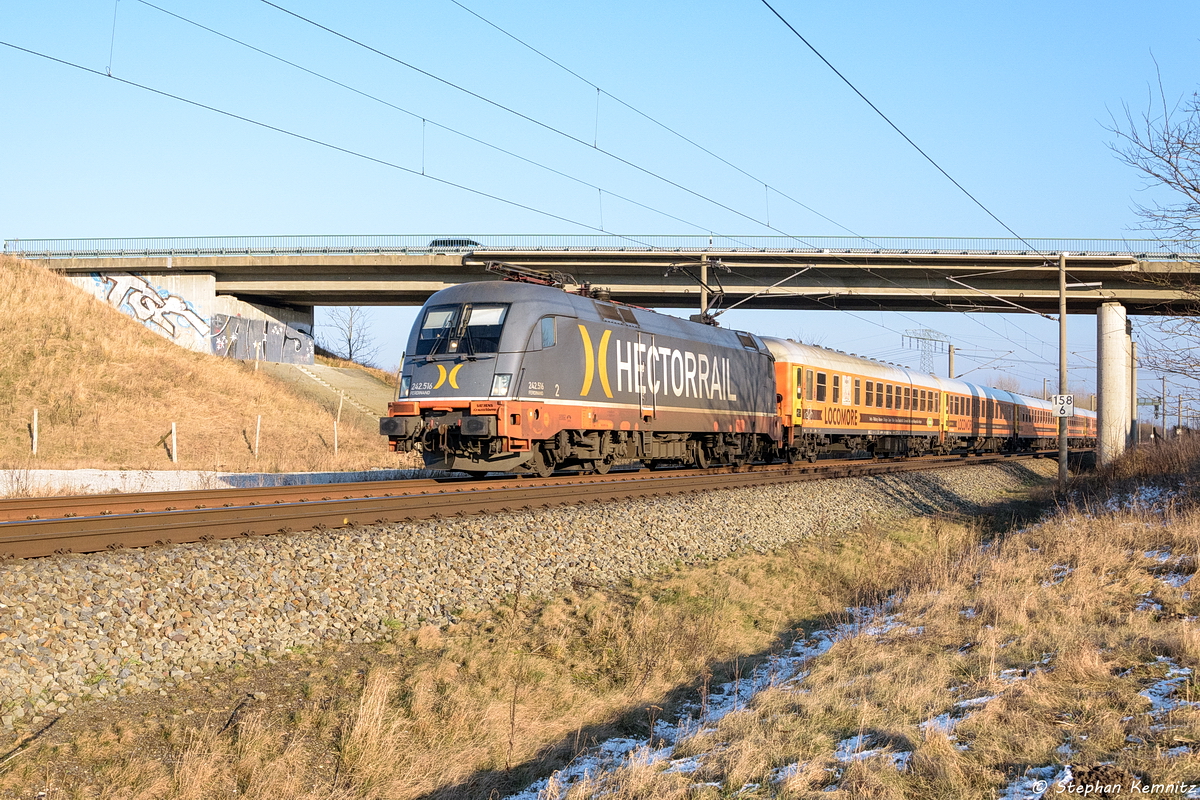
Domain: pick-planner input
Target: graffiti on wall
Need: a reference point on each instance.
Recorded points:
(165, 313)
(256, 339)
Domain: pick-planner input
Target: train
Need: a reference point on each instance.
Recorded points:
(523, 376)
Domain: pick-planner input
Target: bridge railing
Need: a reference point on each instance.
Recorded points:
(1147, 249)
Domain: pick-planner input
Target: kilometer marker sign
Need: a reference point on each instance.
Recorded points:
(1064, 405)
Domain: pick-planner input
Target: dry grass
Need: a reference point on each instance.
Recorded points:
(107, 391)
(1052, 622)
(1047, 620)
(489, 704)
(1174, 462)
(381, 375)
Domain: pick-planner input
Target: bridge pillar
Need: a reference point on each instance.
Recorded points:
(1134, 436)
(1112, 381)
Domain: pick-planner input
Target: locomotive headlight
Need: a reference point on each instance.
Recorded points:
(500, 384)
(405, 385)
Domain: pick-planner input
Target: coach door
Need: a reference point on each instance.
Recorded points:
(943, 415)
(804, 394)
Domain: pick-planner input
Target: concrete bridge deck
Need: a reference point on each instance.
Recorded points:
(908, 274)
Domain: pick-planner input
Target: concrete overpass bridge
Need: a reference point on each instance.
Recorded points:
(852, 273)
(280, 279)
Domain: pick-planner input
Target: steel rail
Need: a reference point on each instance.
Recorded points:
(82, 534)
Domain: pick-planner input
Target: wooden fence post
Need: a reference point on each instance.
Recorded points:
(337, 420)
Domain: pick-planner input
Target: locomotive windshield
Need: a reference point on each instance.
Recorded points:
(467, 329)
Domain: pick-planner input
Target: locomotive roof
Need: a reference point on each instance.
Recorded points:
(531, 300)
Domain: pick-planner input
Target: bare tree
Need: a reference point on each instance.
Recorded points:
(1007, 383)
(1163, 144)
(350, 335)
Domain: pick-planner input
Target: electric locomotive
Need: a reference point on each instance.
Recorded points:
(517, 377)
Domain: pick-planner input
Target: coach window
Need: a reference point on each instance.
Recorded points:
(808, 384)
(870, 393)
(821, 387)
(907, 398)
(837, 389)
(548, 338)
(887, 394)
(857, 391)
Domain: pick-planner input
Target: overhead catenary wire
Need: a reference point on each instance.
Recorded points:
(601, 91)
(600, 190)
(565, 134)
(896, 128)
(424, 120)
(767, 187)
(319, 142)
(533, 120)
(397, 166)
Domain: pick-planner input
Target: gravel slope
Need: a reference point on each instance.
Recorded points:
(104, 624)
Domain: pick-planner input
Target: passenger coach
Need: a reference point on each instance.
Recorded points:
(835, 402)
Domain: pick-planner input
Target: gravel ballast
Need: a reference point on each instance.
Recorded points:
(106, 624)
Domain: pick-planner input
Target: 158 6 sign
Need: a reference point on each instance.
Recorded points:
(1064, 405)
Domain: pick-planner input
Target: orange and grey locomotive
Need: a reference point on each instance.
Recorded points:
(516, 377)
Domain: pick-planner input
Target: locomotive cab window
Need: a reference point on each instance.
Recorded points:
(468, 329)
(548, 334)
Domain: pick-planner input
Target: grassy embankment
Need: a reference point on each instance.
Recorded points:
(107, 390)
(508, 695)
(1064, 622)
(1060, 628)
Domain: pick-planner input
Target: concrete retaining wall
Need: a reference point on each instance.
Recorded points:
(185, 308)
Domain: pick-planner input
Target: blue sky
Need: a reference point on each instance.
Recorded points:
(1011, 99)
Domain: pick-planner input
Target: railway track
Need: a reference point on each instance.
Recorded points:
(31, 528)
